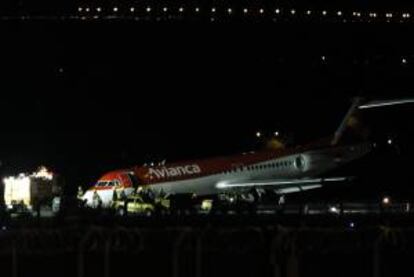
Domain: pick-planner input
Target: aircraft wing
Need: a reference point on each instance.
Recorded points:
(283, 185)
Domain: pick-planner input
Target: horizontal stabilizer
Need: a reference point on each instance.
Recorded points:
(382, 103)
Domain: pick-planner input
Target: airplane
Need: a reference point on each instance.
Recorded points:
(283, 170)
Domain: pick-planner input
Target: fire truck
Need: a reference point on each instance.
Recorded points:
(37, 193)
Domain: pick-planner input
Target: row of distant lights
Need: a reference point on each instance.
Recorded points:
(245, 10)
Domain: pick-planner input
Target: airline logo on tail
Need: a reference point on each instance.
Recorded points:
(165, 172)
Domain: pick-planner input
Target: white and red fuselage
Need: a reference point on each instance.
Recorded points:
(284, 170)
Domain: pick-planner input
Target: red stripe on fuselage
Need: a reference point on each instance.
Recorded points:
(221, 164)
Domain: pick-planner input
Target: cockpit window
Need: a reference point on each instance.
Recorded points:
(103, 184)
(113, 183)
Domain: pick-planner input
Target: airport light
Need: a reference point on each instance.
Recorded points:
(115, 9)
(333, 209)
(389, 141)
(276, 133)
(292, 11)
(261, 11)
(229, 10)
(181, 9)
(213, 10)
(308, 12)
(132, 9)
(324, 12)
(403, 60)
(277, 11)
(197, 10)
(386, 200)
(258, 134)
(87, 10)
(148, 9)
(339, 13)
(323, 58)
(165, 9)
(80, 9)
(98, 9)
(352, 224)
(245, 10)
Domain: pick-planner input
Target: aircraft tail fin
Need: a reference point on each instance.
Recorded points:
(359, 103)
(348, 116)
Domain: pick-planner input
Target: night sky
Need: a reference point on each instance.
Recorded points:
(87, 97)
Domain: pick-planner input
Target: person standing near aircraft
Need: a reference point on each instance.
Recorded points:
(97, 201)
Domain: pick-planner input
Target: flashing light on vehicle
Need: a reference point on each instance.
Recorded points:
(43, 173)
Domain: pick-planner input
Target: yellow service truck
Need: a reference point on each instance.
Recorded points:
(134, 204)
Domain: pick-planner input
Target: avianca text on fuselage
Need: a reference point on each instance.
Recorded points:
(177, 171)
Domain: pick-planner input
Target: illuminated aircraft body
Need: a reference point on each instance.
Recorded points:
(283, 170)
